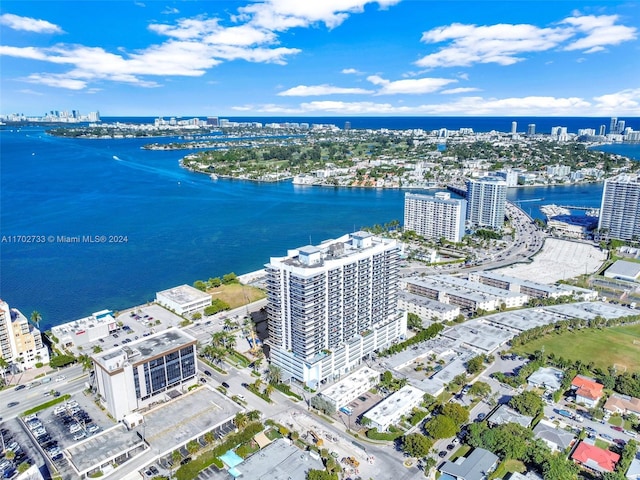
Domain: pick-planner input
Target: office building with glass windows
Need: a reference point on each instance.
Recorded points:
(620, 208)
(132, 376)
(332, 305)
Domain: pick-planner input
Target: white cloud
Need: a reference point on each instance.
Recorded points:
(409, 86)
(28, 24)
(193, 46)
(599, 31)
(315, 90)
(500, 43)
(506, 44)
(170, 11)
(453, 91)
(624, 100)
(57, 81)
(351, 71)
(281, 15)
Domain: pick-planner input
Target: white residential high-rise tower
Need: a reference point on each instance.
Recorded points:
(620, 207)
(438, 216)
(332, 305)
(486, 200)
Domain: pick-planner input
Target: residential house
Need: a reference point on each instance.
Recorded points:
(556, 438)
(587, 390)
(622, 404)
(595, 458)
(476, 466)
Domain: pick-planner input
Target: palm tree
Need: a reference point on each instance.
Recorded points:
(254, 415)
(86, 361)
(268, 390)
(240, 420)
(275, 374)
(36, 318)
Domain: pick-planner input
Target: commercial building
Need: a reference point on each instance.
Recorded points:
(486, 200)
(133, 376)
(184, 299)
(438, 216)
(20, 342)
(624, 270)
(330, 306)
(394, 407)
(620, 208)
(85, 330)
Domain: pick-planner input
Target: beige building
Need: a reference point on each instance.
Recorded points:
(20, 342)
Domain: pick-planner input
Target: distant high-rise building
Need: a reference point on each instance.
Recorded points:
(438, 216)
(347, 125)
(509, 176)
(514, 128)
(212, 121)
(332, 305)
(620, 207)
(531, 129)
(620, 126)
(486, 201)
(613, 126)
(603, 130)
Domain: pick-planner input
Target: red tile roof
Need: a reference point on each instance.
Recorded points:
(587, 388)
(590, 456)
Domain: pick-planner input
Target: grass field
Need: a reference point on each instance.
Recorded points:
(609, 346)
(237, 295)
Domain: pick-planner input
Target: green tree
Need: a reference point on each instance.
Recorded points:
(321, 475)
(527, 403)
(456, 412)
(200, 285)
(441, 426)
(556, 467)
(196, 316)
(475, 364)
(229, 278)
(416, 445)
(480, 389)
(414, 322)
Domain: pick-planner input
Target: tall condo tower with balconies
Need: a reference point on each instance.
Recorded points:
(332, 305)
(486, 201)
(620, 208)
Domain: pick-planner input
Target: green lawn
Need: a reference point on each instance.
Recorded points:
(508, 466)
(606, 347)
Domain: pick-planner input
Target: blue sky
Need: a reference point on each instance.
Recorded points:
(321, 57)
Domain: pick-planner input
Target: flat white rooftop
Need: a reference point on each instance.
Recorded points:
(147, 347)
(350, 387)
(184, 294)
(395, 405)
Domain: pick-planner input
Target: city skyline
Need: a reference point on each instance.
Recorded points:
(346, 57)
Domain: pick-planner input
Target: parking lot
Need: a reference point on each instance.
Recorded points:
(64, 425)
(18, 449)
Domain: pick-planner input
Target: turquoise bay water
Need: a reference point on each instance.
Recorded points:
(179, 226)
